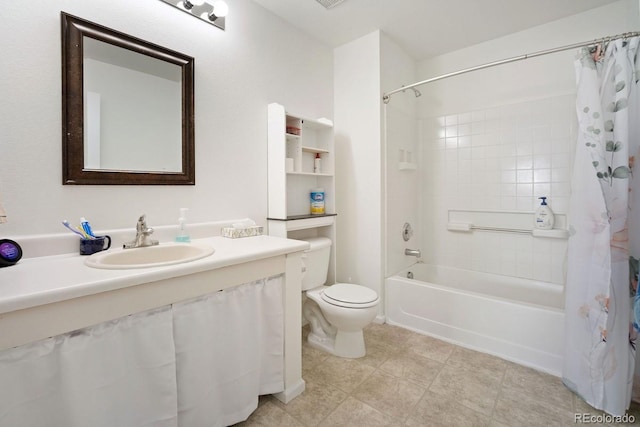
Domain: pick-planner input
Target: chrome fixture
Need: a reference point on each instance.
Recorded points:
(413, 252)
(328, 4)
(416, 92)
(214, 13)
(142, 235)
(407, 231)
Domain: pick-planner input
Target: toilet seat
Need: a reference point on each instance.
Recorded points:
(349, 296)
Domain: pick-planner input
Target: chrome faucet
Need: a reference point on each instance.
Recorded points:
(413, 252)
(142, 235)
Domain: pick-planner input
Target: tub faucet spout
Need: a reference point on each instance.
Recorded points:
(413, 252)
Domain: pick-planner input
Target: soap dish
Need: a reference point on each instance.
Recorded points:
(236, 233)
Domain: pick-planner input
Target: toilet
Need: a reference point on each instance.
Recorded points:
(337, 313)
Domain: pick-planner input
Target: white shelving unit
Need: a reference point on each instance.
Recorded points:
(300, 139)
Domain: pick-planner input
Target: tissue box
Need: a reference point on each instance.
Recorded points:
(235, 233)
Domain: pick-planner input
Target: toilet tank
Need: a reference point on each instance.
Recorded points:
(315, 262)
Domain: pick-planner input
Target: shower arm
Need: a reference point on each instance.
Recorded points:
(386, 97)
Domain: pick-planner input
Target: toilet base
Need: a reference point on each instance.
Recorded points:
(349, 345)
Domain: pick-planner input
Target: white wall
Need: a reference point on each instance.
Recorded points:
(357, 120)
(257, 60)
(498, 138)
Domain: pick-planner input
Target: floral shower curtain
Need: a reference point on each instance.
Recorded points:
(600, 328)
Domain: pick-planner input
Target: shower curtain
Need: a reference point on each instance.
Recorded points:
(600, 329)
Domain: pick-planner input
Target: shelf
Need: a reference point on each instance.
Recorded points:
(405, 166)
(302, 222)
(314, 150)
(517, 222)
(299, 217)
(555, 233)
(320, 123)
(310, 174)
(292, 158)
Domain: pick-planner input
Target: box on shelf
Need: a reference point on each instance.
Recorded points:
(236, 233)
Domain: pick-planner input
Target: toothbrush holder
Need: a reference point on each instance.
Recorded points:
(98, 244)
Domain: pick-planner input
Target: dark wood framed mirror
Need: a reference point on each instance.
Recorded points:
(127, 109)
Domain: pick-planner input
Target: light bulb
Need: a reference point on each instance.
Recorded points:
(220, 9)
(188, 4)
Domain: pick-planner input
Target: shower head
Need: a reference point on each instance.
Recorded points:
(416, 92)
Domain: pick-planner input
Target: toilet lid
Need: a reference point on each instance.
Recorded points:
(349, 295)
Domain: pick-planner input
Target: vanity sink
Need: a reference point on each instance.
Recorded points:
(151, 256)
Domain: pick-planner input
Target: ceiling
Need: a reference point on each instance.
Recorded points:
(424, 28)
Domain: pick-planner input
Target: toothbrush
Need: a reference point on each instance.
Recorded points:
(66, 224)
(83, 233)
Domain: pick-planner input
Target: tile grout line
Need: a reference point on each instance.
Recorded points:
(500, 390)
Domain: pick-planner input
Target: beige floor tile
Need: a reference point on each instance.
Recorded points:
(353, 413)
(435, 410)
(516, 408)
(463, 357)
(378, 352)
(580, 406)
(315, 404)
(269, 414)
(429, 347)
(544, 387)
(345, 374)
(411, 367)
(392, 335)
(408, 379)
(391, 395)
(476, 389)
(312, 356)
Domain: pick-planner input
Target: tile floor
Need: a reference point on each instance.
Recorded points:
(407, 379)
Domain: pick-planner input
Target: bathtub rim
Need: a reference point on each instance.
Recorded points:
(554, 288)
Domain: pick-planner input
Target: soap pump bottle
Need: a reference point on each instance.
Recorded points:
(183, 235)
(544, 216)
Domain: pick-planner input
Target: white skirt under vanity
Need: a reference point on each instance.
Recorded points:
(186, 345)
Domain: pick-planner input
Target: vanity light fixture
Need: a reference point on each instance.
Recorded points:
(213, 13)
(188, 4)
(219, 10)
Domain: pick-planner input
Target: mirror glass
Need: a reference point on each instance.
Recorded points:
(127, 109)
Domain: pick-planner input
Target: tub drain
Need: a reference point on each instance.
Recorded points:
(410, 275)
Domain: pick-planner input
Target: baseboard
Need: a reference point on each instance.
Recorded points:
(291, 393)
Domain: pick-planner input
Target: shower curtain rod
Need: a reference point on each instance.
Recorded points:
(386, 97)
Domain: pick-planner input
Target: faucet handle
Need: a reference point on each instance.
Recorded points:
(142, 223)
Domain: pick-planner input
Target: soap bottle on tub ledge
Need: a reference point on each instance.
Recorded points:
(544, 218)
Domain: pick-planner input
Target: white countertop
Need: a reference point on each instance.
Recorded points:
(44, 280)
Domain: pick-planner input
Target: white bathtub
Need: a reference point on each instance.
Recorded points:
(517, 319)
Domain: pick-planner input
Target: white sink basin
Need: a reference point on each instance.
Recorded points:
(151, 256)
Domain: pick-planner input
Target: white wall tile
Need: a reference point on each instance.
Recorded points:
(501, 159)
(524, 162)
(542, 175)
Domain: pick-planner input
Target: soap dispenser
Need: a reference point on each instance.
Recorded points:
(544, 219)
(183, 235)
